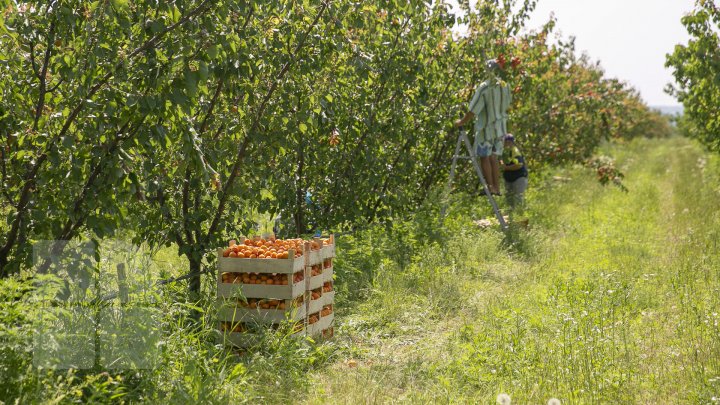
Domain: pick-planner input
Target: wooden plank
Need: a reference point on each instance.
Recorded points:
(328, 298)
(315, 305)
(318, 327)
(314, 257)
(245, 340)
(280, 266)
(279, 292)
(315, 282)
(231, 313)
(327, 274)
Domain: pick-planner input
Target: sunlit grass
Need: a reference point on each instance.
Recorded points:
(617, 302)
(608, 297)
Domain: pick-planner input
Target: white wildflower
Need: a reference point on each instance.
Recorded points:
(503, 399)
(554, 401)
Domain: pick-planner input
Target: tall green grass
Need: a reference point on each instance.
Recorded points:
(608, 297)
(611, 298)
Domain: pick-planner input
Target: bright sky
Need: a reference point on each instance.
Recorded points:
(629, 37)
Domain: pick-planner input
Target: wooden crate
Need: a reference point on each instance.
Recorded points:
(315, 305)
(281, 292)
(328, 251)
(227, 311)
(249, 339)
(328, 333)
(315, 282)
(311, 327)
(327, 274)
(323, 324)
(313, 257)
(328, 298)
(279, 266)
(328, 290)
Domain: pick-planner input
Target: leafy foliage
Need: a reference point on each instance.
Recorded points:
(697, 73)
(606, 171)
(180, 120)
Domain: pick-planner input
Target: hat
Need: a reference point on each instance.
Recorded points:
(492, 64)
(509, 138)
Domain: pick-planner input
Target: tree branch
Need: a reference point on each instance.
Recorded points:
(214, 100)
(168, 217)
(43, 75)
(225, 193)
(55, 87)
(74, 219)
(185, 206)
(4, 178)
(32, 173)
(35, 68)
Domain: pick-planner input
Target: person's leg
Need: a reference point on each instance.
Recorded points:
(487, 172)
(497, 151)
(510, 194)
(484, 151)
(520, 186)
(495, 174)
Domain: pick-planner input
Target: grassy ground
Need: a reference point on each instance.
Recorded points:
(609, 297)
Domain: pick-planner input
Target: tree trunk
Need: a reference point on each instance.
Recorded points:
(194, 284)
(300, 192)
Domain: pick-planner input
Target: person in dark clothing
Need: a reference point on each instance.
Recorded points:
(515, 173)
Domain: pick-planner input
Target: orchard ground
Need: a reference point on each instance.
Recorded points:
(609, 297)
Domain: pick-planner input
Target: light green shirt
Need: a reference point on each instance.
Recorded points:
(489, 105)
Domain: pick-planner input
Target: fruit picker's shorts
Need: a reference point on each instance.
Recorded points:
(485, 149)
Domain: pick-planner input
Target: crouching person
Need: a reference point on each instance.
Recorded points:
(515, 173)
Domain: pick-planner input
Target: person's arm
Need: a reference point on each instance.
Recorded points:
(468, 116)
(475, 107)
(520, 159)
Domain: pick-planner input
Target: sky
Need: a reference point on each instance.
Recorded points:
(630, 38)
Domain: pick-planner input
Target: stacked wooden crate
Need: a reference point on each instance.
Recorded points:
(266, 292)
(321, 313)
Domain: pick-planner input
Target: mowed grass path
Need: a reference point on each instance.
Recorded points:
(611, 298)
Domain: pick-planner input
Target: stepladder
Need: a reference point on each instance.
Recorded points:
(464, 141)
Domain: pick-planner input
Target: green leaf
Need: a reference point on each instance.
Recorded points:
(213, 51)
(176, 14)
(190, 82)
(302, 127)
(120, 4)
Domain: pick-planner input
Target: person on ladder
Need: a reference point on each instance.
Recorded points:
(489, 106)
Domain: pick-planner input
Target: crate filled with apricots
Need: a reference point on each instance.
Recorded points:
(260, 268)
(247, 333)
(327, 250)
(316, 277)
(328, 293)
(327, 270)
(319, 322)
(315, 300)
(269, 280)
(262, 310)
